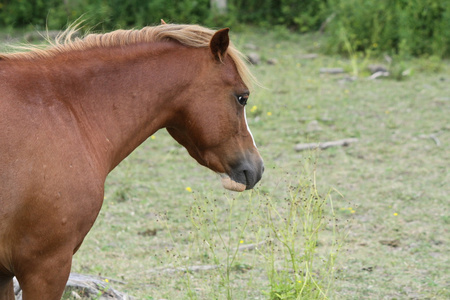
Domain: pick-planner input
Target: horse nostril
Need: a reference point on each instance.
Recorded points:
(247, 179)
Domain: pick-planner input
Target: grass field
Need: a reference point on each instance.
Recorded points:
(391, 204)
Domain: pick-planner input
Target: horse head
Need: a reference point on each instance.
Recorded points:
(213, 125)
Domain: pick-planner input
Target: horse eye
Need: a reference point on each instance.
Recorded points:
(242, 99)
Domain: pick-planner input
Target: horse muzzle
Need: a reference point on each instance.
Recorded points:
(244, 176)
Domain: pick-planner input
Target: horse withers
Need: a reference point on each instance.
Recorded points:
(72, 112)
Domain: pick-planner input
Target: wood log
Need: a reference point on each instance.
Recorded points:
(325, 145)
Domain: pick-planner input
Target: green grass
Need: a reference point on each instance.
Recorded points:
(394, 212)
(395, 180)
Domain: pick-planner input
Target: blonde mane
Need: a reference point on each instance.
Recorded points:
(189, 35)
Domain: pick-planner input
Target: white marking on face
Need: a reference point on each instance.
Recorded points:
(248, 128)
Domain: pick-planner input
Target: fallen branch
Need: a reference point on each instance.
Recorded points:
(311, 146)
(433, 137)
(250, 247)
(183, 269)
(378, 74)
(332, 70)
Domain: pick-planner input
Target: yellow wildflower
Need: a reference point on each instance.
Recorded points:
(254, 108)
(269, 113)
(188, 189)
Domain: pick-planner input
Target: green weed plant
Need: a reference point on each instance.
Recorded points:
(286, 237)
(295, 267)
(220, 234)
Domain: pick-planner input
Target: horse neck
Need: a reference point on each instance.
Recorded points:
(123, 97)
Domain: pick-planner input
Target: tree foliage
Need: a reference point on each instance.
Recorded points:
(407, 27)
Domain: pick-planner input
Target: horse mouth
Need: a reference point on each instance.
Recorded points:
(243, 177)
(232, 185)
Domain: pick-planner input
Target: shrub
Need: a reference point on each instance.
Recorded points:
(110, 14)
(299, 15)
(417, 28)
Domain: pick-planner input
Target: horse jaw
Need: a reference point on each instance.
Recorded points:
(232, 185)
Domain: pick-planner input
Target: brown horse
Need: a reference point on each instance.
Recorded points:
(72, 112)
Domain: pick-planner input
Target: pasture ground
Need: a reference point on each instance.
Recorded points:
(395, 184)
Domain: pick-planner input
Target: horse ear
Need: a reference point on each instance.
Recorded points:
(219, 43)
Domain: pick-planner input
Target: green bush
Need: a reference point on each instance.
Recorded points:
(417, 27)
(20, 12)
(299, 15)
(405, 27)
(107, 14)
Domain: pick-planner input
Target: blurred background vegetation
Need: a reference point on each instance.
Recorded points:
(394, 27)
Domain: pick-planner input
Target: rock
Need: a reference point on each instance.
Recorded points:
(347, 79)
(250, 46)
(254, 58)
(272, 61)
(148, 232)
(85, 286)
(313, 126)
(332, 70)
(391, 243)
(377, 68)
(309, 56)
